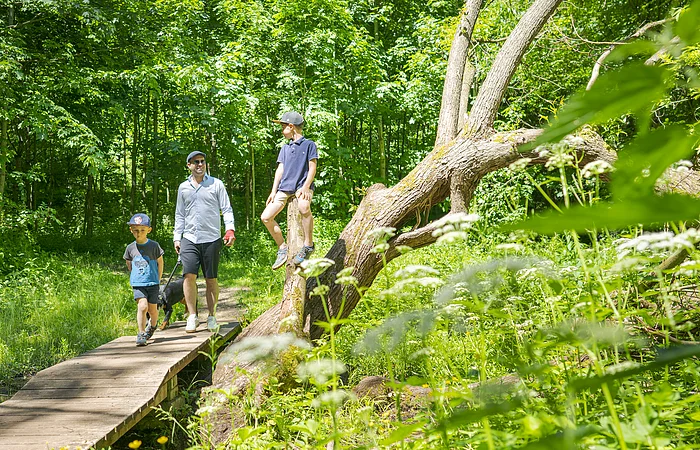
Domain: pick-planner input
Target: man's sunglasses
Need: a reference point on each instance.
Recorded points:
(197, 161)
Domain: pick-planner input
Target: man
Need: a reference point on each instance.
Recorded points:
(201, 200)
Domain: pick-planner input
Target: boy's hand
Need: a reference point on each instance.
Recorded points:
(270, 198)
(304, 194)
(177, 246)
(229, 238)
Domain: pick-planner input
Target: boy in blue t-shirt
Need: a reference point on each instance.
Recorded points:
(296, 169)
(144, 259)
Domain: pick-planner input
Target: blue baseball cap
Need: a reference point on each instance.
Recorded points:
(193, 154)
(140, 219)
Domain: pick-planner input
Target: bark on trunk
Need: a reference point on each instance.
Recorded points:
(294, 293)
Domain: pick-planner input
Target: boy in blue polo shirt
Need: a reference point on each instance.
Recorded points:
(144, 259)
(296, 169)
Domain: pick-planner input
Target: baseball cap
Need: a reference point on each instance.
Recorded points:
(292, 117)
(140, 219)
(193, 154)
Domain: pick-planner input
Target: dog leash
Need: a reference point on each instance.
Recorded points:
(173, 272)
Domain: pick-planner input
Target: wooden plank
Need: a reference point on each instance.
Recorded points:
(95, 398)
(81, 393)
(85, 382)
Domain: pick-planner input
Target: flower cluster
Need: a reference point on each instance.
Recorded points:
(560, 157)
(657, 242)
(595, 168)
(520, 165)
(453, 227)
(320, 370)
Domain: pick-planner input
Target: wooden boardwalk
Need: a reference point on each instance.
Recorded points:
(92, 400)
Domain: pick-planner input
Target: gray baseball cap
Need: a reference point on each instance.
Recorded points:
(292, 117)
(193, 154)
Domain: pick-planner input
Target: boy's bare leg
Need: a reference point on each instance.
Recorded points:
(307, 221)
(153, 312)
(212, 294)
(189, 286)
(141, 314)
(268, 218)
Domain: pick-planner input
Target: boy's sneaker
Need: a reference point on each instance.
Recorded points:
(150, 329)
(141, 339)
(281, 258)
(212, 325)
(303, 254)
(192, 323)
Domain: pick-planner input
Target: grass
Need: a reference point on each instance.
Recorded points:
(57, 307)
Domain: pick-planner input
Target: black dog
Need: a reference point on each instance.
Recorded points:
(170, 294)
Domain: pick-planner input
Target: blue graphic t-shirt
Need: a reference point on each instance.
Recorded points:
(144, 262)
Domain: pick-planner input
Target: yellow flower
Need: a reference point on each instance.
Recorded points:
(162, 440)
(425, 386)
(135, 444)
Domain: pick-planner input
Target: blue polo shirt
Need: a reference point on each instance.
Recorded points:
(295, 158)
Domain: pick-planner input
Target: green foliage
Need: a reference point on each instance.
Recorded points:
(54, 308)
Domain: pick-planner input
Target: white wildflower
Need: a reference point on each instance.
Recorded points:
(320, 370)
(596, 168)
(654, 243)
(452, 237)
(380, 234)
(380, 248)
(510, 246)
(316, 266)
(454, 223)
(559, 160)
(333, 399)
(413, 270)
(520, 164)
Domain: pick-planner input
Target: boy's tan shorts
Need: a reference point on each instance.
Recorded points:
(282, 197)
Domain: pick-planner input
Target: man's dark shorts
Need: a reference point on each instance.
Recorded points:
(205, 255)
(150, 293)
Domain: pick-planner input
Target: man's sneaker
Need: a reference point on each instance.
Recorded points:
(303, 254)
(212, 325)
(192, 323)
(281, 258)
(141, 339)
(150, 329)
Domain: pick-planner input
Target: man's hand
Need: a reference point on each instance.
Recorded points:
(270, 198)
(177, 246)
(229, 238)
(304, 194)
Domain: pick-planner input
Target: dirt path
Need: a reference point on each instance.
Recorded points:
(229, 306)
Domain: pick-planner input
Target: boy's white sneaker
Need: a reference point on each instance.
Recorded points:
(212, 325)
(192, 323)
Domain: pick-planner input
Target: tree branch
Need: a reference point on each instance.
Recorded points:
(507, 61)
(601, 59)
(456, 63)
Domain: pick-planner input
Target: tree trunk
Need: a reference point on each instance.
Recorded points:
(155, 151)
(89, 206)
(382, 149)
(134, 159)
(4, 156)
(294, 292)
